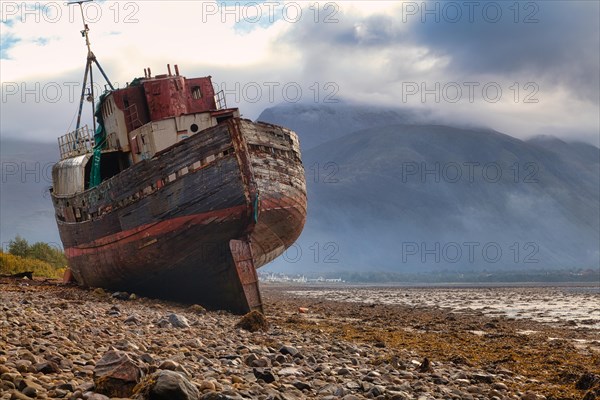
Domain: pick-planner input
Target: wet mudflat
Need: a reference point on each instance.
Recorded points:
(544, 340)
(575, 305)
(57, 342)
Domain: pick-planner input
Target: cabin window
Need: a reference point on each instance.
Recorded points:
(107, 108)
(194, 128)
(196, 93)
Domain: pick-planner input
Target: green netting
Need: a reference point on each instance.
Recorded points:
(100, 138)
(95, 178)
(256, 207)
(136, 82)
(99, 142)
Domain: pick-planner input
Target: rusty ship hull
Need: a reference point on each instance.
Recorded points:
(195, 221)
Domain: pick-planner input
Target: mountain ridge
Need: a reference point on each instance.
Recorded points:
(541, 193)
(397, 196)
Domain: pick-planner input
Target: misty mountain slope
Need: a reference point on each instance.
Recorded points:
(374, 199)
(320, 123)
(25, 204)
(578, 166)
(577, 160)
(400, 197)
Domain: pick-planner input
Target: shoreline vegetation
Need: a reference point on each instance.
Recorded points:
(39, 258)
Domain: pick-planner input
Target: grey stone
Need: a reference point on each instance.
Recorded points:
(178, 321)
(132, 319)
(482, 378)
(289, 371)
(47, 367)
(264, 374)
(121, 295)
(214, 396)
(30, 391)
(292, 351)
(168, 385)
(95, 396)
(301, 385)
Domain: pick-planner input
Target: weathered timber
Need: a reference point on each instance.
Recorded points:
(194, 222)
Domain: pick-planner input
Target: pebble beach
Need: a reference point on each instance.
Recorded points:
(59, 341)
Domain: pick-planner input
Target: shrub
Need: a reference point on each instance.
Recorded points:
(11, 264)
(18, 247)
(44, 252)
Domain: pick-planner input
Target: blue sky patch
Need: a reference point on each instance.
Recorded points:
(7, 41)
(41, 41)
(250, 15)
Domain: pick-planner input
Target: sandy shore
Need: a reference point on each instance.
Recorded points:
(52, 338)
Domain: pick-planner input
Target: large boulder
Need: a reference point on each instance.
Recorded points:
(116, 374)
(166, 385)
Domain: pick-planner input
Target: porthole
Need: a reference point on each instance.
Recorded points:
(194, 128)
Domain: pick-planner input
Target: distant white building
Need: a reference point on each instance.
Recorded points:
(283, 278)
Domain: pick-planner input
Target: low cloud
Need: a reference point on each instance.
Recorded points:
(530, 69)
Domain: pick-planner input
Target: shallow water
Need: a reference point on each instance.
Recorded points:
(580, 305)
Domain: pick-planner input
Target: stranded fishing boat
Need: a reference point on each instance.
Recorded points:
(173, 195)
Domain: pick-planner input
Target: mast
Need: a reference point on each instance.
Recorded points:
(91, 58)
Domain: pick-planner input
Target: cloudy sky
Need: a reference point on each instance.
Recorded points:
(523, 68)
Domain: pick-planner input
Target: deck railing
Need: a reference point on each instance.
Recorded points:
(220, 100)
(76, 143)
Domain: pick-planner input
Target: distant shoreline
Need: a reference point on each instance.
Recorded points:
(442, 285)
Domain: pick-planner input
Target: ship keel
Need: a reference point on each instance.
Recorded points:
(241, 255)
